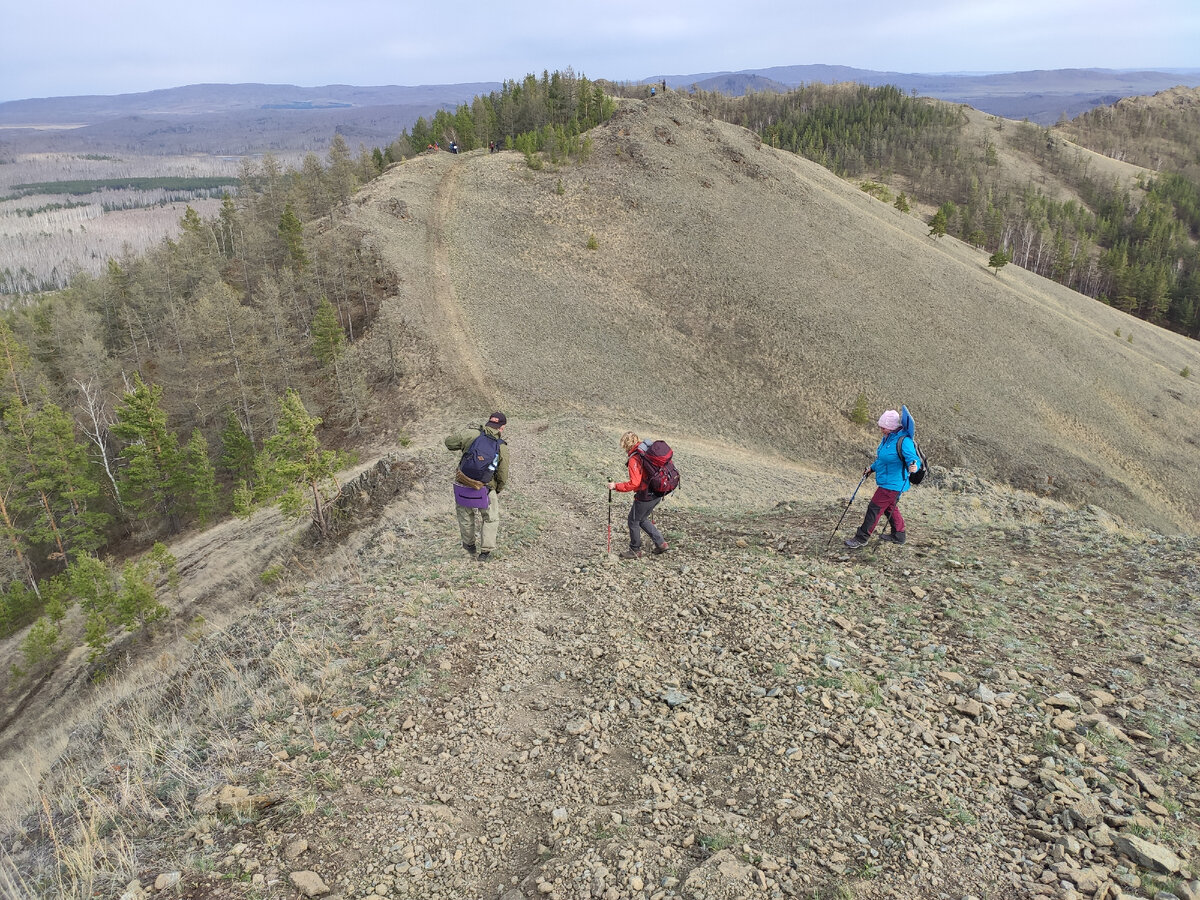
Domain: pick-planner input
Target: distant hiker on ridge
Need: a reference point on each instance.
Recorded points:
(891, 467)
(652, 475)
(480, 477)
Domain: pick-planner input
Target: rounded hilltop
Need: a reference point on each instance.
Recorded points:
(752, 291)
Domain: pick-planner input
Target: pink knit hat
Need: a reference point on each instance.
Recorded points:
(890, 420)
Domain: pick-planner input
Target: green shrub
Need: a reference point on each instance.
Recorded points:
(877, 190)
(18, 605)
(860, 415)
(1185, 372)
(38, 644)
(592, 243)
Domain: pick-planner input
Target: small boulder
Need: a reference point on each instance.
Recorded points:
(167, 880)
(1147, 855)
(308, 883)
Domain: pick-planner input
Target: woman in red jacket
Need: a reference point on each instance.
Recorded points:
(644, 501)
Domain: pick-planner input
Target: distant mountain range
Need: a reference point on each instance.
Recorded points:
(1042, 96)
(225, 118)
(250, 118)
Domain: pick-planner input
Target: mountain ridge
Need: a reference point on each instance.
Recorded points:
(750, 716)
(685, 206)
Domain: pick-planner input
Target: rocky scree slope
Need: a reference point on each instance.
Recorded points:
(1004, 707)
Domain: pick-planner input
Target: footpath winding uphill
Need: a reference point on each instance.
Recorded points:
(1004, 707)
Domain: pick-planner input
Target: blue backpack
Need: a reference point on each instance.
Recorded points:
(480, 461)
(908, 428)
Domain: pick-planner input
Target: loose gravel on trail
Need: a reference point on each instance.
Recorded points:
(1004, 707)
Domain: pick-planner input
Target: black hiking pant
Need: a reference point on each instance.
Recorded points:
(639, 521)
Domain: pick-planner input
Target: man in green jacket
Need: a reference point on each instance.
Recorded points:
(480, 477)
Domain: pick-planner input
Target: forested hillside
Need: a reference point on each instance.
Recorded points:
(1160, 132)
(134, 402)
(191, 381)
(1133, 249)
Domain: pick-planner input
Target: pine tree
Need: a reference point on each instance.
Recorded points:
(228, 226)
(14, 356)
(327, 334)
(237, 450)
(110, 603)
(27, 514)
(999, 259)
(294, 469)
(150, 480)
(937, 225)
(38, 645)
(860, 415)
(340, 175)
(292, 234)
(197, 479)
(14, 539)
(66, 478)
(42, 528)
(89, 582)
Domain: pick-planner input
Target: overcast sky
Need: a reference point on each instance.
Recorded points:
(87, 47)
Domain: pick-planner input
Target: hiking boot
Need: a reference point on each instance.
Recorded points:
(485, 556)
(470, 548)
(854, 543)
(898, 537)
(660, 549)
(630, 554)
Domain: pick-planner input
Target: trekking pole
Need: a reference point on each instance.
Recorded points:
(609, 547)
(846, 510)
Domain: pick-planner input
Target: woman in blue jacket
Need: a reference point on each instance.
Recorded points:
(894, 460)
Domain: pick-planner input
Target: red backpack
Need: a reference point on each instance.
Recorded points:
(663, 477)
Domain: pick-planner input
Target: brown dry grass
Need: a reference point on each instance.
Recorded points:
(748, 295)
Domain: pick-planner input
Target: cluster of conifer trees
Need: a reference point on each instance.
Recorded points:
(169, 389)
(1139, 256)
(534, 115)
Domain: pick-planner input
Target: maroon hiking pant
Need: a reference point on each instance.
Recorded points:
(883, 503)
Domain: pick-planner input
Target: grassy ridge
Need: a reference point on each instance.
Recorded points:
(1135, 252)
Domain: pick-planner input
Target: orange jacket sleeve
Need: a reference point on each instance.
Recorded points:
(637, 476)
